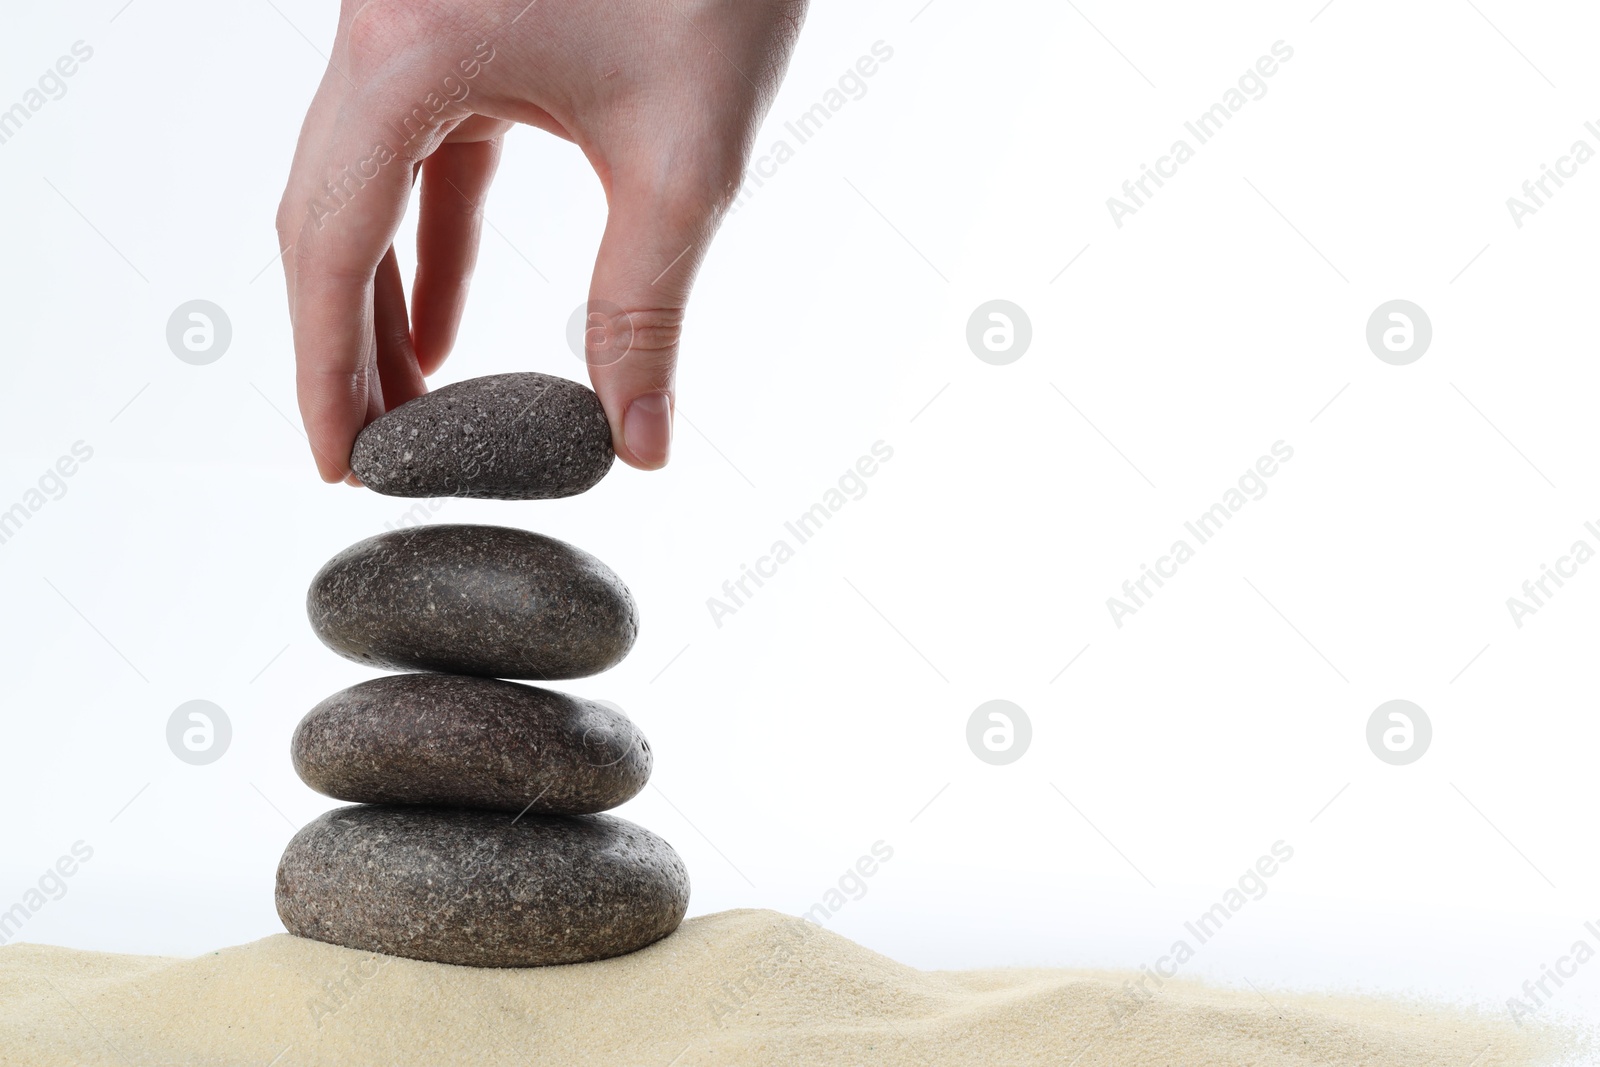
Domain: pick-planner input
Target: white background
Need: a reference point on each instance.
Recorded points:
(825, 714)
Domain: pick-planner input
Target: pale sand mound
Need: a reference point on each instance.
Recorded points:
(734, 988)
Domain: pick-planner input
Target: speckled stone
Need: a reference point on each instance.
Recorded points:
(444, 739)
(483, 600)
(508, 437)
(479, 888)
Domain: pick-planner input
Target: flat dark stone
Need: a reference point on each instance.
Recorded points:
(445, 739)
(478, 888)
(521, 436)
(483, 600)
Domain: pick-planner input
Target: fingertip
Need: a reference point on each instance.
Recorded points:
(647, 431)
(326, 471)
(333, 460)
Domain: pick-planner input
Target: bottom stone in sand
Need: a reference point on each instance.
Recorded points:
(480, 888)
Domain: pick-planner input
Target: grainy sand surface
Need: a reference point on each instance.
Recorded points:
(739, 987)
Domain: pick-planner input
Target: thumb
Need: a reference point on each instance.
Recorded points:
(654, 241)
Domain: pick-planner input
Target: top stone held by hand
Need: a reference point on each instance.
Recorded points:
(524, 436)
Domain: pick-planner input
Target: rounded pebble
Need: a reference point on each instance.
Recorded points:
(481, 600)
(445, 739)
(523, 436)
(480, 888)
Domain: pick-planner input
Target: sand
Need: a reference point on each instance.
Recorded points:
(739, 987)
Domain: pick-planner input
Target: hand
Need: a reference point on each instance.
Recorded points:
(662, 96)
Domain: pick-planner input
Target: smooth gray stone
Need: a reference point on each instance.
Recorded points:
(521, 436)
(480, 888)
(483, 600)
(445, 739)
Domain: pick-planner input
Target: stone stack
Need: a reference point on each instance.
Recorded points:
(476, 836)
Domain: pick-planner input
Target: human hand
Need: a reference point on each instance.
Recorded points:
(662, 96)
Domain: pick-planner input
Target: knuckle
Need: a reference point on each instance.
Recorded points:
(687, 181)
(303, 259)
(656, 331)
(637, 333)
(287, 222)
(373, 29)
(376, 31)
(705, 190)
(325, 270)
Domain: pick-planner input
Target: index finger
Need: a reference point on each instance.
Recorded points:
(358, 187)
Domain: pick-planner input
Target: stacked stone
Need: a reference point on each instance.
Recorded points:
(476, 836)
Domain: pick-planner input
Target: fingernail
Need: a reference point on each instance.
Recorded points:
(647, 429)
